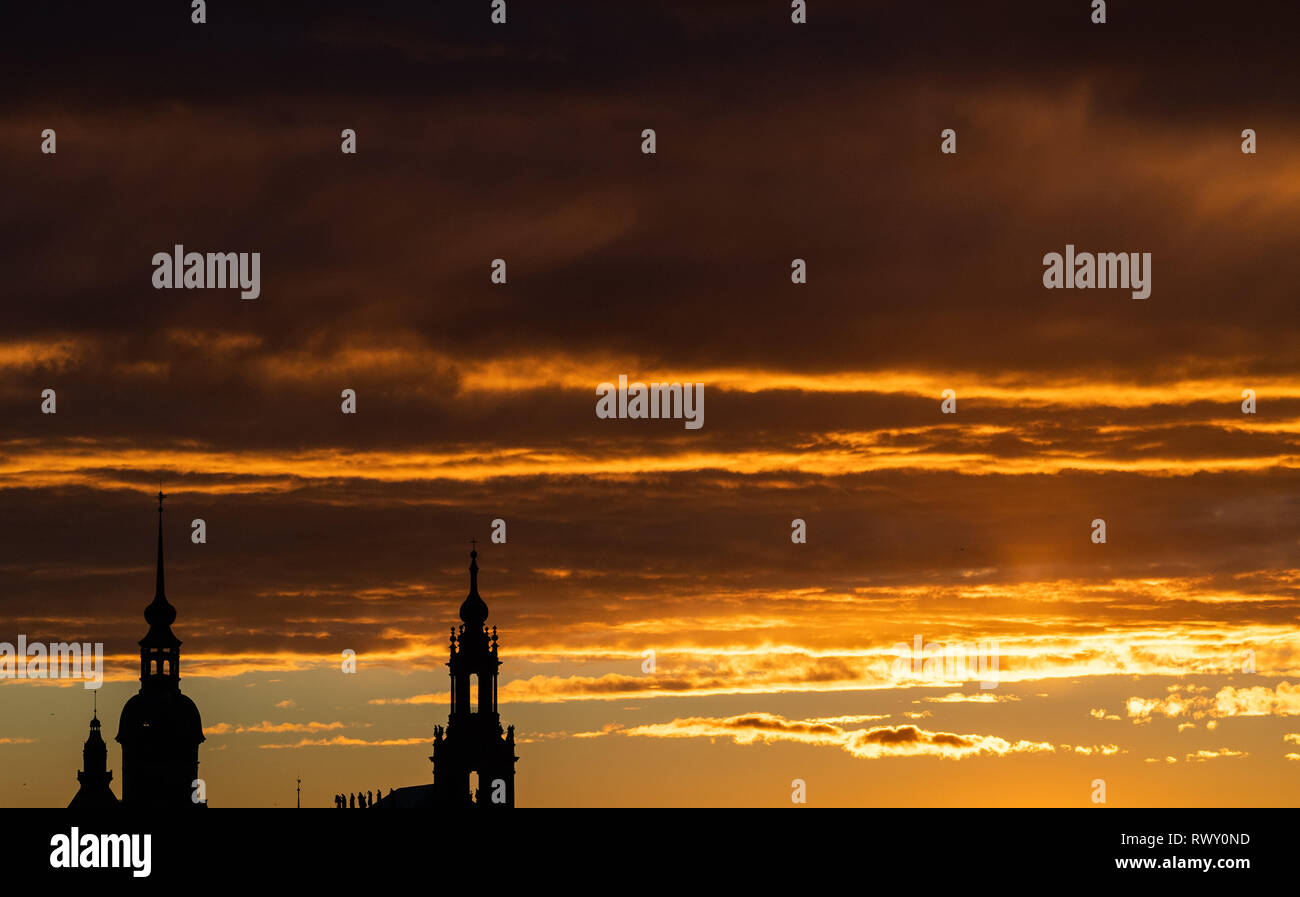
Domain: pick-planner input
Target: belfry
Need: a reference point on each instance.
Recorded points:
(160, 730)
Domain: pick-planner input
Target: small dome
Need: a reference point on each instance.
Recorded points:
(473, 610)
(160, 612)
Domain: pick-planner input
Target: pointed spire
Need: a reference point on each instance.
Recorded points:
(158, 588)
(160, 614)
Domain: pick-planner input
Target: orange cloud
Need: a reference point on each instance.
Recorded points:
(872, 743)
(344, 741)
(267, 726)
(1258, 700)
(1222, 753)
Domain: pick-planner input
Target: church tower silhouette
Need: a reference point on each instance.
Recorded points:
(474, 741)
(95, 792)
(160, 730)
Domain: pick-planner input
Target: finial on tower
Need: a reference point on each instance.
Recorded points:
(158, 590)
(473, 610)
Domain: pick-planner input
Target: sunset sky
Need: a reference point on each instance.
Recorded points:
(775, 661)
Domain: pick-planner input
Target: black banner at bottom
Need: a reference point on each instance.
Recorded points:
(642, 847)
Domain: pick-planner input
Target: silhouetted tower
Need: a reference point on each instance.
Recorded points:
(160, 730)
(95, 792)
(474, 741)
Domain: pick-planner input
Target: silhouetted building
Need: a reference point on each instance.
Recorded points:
(95, 792)
(160, 730)
(473, 743)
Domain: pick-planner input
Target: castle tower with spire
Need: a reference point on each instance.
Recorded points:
(474, 741)
(160, 730)
(95, 792)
